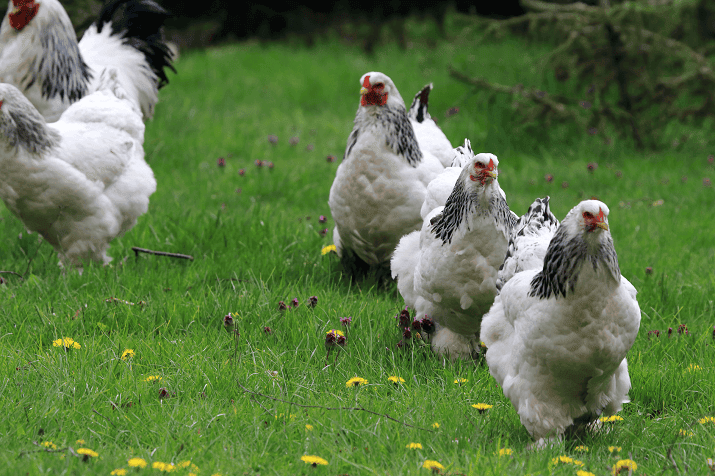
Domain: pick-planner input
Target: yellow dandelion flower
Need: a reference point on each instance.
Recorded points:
(183, 464)
(682, 432)
(435, 425)
(564, 460)
(313, 460)
(153, 378)
(482, 407)
(81, 442)
(194, 468)
(67, 343)
(355, 382)
(137, 463)
(328, 249)
(158, 465)
(707, 419)
(505, 452)
(693, 368)
(88, 452)
(627, 464)
(49, 444)
(460, 381)
(581, 472)
(581, 449)
(432, 464)
(610, 419)
(414, 446)
(216, 474)
(395, 379)
(193, 474)
(308, 427)
(119, 472)
(337, 332)
(128, 354)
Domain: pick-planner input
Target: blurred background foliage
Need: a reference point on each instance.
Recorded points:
(639, 70)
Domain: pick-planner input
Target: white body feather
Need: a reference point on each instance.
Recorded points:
(560, 359)
(91, 185)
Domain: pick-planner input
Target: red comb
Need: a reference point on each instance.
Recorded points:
(491, 164)
(366, 83)
(600, 215)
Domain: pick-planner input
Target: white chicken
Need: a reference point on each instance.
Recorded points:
(557, 337)
(39, 53)
(448, 269)
(429, 136)
(439, 189)
(529, 241)
(381, 183)
(81, 181)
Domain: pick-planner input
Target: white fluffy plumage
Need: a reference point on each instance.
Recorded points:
(448, 269)
(429, 135)
(529, 241)
(439, 189)
(79, 182)
(557, 337)
(40, 55)
(381, 183)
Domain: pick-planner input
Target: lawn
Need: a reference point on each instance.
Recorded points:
(189, 396)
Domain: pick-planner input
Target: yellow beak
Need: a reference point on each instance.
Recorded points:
(602, 224)
(363, 91)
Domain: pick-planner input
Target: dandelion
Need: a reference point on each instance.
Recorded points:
(693, 368)
(682, 432)
(66, 342)
(87, 452)
(119, 472)
(328, 249)
(460, 381)
(313, 460)
(610, 419)
(49, 444)
(564, 460)
(581, 449)
(137, 463)
(433, 465)
(309, 427)
(435, 425)
(414, 446)
(627, 464)
(153, 378)
(582, 472)
(183, 464)
(395, 379)
(81, 442)
(482, 407)
(355, 382)
(128, 354)
(707, 419)
(505, 452)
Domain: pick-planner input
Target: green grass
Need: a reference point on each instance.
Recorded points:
(255, 248)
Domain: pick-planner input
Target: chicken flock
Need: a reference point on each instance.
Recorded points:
(546, 298)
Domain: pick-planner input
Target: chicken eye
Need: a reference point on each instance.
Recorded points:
(379, 85)
(587, 215)
(477, 165)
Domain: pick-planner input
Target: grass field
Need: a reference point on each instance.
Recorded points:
(256, 238)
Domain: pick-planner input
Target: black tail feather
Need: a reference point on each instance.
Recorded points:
(418, 109)
(139, 23)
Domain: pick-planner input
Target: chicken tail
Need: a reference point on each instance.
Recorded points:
(139, 24)
(418, 109)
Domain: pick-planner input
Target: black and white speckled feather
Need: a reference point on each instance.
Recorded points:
(528, 241)
(22, 126)
(569, 250)
(60, 70)
(399, 134)
(418, 109)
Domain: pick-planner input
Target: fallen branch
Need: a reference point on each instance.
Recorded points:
(12, 272)
(333, 408)
(138, 250)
